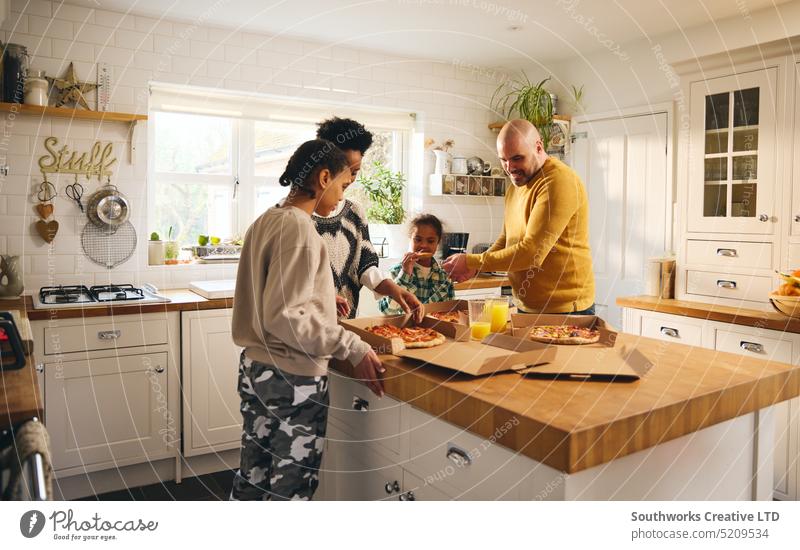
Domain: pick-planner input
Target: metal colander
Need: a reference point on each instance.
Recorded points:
(108, 246)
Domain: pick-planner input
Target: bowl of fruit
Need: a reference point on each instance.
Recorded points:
(786, 298)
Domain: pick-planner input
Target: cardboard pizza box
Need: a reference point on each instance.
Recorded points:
(588, 363)
(521, 324)
(495, 353)
(393, 346)
(460, 306)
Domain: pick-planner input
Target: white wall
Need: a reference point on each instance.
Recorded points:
(639, 72)
(452, 100)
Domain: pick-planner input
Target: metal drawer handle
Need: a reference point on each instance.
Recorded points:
(753, 347)
(726, 284)
(392, 487)
(727, 252)
(671, 332)
(407, 496)
(109, 334)
(159, 369)
(797, 217)
(360, 404)
(763, 218)
(459, 456)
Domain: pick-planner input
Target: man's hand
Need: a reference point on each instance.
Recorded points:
(342, 307)
(406, 299)
(369, 371)
(456, 267)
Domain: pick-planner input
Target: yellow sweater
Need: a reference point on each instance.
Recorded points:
(544, 245)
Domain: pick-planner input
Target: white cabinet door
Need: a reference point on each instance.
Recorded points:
(787, 423)
(796, 144)
(414, 488)
(623, 163)
(108, 410)
(211, 418)
(353, 471)
(732, 142)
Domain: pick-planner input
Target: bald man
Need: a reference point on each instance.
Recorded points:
(544, 245)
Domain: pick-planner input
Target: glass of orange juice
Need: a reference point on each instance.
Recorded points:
(498, 308)
(480, 319)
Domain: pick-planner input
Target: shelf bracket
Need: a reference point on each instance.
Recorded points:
(132, 135)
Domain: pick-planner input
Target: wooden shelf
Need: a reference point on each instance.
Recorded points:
(63, 112)
(498, 125)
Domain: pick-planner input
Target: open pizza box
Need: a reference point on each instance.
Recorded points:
(497, 352)
(522, 323)
(459, 306)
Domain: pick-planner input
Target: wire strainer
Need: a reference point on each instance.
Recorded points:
(108, 246)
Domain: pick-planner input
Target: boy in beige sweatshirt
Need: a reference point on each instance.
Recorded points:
(284, 316)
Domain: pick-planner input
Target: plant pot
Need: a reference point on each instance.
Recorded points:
(155, 252)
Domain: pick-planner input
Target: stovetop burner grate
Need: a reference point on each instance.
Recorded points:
(111, 293)
(64, 294)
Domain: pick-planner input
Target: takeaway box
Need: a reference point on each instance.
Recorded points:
(521, 323)
(495, 353)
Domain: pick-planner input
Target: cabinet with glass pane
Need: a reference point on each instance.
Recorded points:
(732, 185)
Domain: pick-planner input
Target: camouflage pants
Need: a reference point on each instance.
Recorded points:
(284, 418)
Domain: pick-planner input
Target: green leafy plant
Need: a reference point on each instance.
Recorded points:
(530, 101)
(154, 236)
(384, 191)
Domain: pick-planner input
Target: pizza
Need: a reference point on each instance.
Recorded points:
(564, 334)
(447, 316)
(413, 337)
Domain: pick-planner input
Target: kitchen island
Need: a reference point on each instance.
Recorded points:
(698, 425)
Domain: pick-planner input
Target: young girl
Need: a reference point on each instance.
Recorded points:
(284, 316)
(419, 272)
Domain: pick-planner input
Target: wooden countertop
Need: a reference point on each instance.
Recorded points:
(20, 398)
(182, 300)
(772, 320)
(574, 425)
(186, 300)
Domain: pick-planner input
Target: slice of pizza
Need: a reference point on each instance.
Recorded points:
(564, 334)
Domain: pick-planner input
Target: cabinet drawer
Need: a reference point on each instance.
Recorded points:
(728, 285)
(728, 254)
(464, 465)
(760, 347)
(671, 330)
(366, 419)
(111, 335)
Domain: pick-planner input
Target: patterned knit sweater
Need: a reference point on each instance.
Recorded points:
(346, 237)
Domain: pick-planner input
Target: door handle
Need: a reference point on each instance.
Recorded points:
(109, 334)
(671, 332)
(727, 252)
(726, 284)
(360, 404)
(753, 347)
(459, 456)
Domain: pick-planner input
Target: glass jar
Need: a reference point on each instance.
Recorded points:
(36, 91)
(15, 68)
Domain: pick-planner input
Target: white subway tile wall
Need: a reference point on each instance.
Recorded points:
(453, 103)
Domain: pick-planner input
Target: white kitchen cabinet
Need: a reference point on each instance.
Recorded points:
(732, 163)
(212, 421)
(110, 388)
(755, 342)
(107, 410)
(795, 213)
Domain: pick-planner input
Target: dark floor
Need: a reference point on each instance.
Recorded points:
(216, 486)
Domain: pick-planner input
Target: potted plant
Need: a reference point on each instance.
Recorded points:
(155, 250)
(171, 249)
(383, 190)
(530, 101)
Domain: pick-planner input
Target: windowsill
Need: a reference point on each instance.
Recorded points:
(192, 265)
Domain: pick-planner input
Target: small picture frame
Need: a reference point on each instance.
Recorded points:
(499, 187)
(474, 185)
(448, 184)
(487, 186)
(462, 185)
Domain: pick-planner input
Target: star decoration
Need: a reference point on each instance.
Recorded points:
(69, 90)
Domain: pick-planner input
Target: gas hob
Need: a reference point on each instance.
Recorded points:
(60, 297)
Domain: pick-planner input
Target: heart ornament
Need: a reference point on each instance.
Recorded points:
(47, 230)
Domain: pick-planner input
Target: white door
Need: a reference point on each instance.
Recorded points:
(796, 170)
(623, 163)
(211, 417)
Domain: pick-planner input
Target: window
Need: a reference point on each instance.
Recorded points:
(216, 156)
